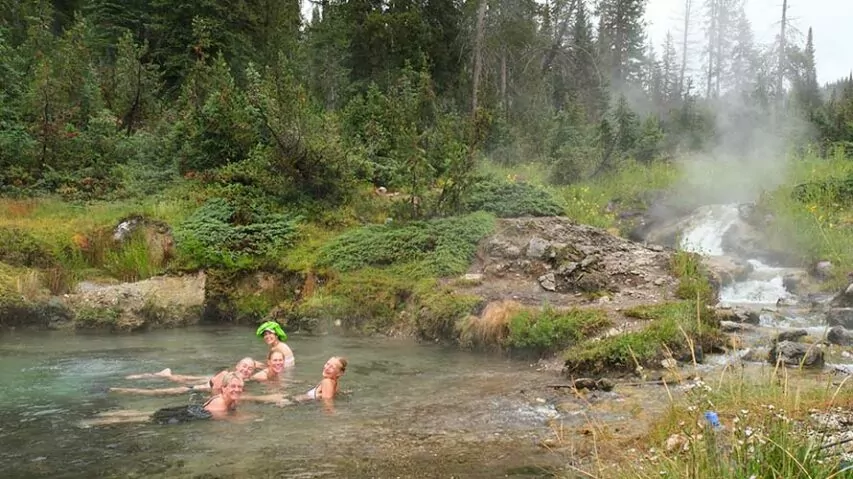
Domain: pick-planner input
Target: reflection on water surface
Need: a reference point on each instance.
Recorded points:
(412, 410)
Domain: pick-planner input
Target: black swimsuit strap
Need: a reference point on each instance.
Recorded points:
(209, 400)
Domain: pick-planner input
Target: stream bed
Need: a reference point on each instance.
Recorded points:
(409, 410)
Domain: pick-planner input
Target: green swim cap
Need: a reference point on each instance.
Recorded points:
(271, 326)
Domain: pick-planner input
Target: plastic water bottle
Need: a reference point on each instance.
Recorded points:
(713, 420)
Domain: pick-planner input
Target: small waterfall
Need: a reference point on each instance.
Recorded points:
(764, 286)
(709, 225)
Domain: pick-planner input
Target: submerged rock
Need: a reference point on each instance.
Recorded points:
(794, 354)
(793, 335)
(840, 336)
(840, 317)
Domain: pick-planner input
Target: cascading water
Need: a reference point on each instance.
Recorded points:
(763, 287)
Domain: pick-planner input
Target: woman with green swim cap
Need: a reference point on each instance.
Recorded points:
(274, 336)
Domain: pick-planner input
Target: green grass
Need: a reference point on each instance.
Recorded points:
(767, 432)
(670, 325)
(587, 202)
(816, 227)
(549, 329)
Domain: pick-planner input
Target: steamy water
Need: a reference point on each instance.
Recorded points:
(411, 410)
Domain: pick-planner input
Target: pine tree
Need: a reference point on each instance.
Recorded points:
(743, 58)
(621, 39)
(587, 85)
(669, 73)
(808, 93)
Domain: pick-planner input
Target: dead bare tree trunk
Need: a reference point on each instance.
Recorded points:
(688, 5)
(504, 105)
(478, 54)
(712, 34)
(780, 73)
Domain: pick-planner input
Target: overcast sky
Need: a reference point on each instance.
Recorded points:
(830, 20)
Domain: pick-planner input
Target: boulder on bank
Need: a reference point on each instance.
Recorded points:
(794, 354)
(162, 301)
(727, 269)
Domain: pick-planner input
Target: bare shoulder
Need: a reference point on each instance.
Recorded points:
(285, 349)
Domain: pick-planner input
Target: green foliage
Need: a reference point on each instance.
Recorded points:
(221, 233)
(300, 153)
(438, 310)
(132, 261)
(96, 317)
(507, 199)
(552, 329)
(693, 277)
(213, 127)
(369, 300)
(671, 324)
(438, 247)
(19, 248)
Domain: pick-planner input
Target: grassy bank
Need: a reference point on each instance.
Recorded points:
(358, 260)
(772, 424)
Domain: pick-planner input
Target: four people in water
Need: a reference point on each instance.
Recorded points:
(226, 387)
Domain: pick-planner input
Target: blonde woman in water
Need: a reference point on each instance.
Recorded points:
(325, 390)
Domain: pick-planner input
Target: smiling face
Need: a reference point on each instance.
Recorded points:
(232, 389)
(270, 338)
(334, 368)
(275, 361)
(245, 368)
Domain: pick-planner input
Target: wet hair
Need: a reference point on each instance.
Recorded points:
(247, 360)
(343, 362)
(274, 351)
(229, 378)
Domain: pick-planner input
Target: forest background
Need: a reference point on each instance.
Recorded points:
(261, 139)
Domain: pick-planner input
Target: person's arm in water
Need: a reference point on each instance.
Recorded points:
(167, 374)
(162, 391)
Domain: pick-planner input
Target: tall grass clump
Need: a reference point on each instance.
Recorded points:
(132, 260)
(810, 215)
(693, 277)
(439, 247)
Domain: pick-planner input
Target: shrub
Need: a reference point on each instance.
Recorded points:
(19, 248)
(221, 234)
(427, 248)
(506, 199)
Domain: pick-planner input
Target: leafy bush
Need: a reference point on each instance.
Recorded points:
(507, 199)
(439, 247)
(221, 234)
(551, 329)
